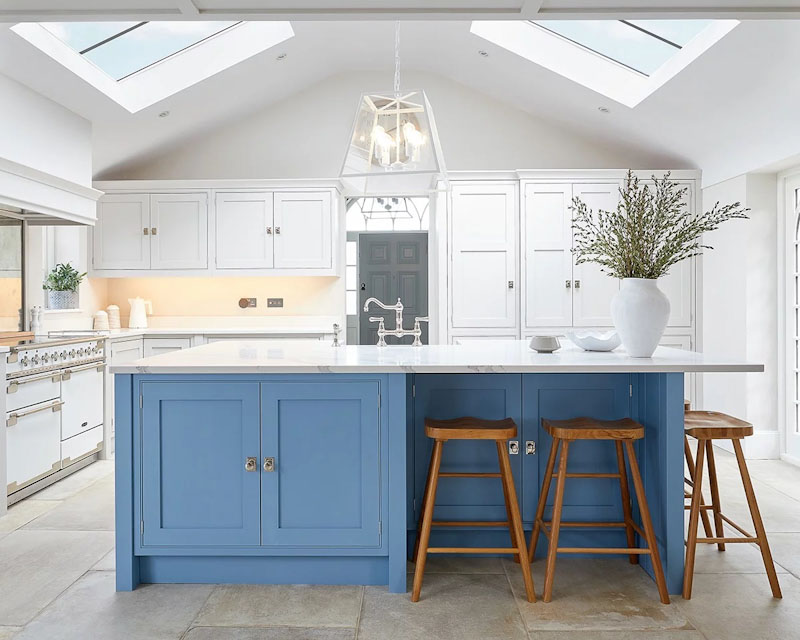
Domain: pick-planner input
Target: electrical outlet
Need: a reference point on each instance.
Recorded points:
(244, 303)
(274, 302)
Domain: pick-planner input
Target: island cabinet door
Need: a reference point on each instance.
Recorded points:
(491, 396)
(561, 396)
(321, 464)
(197, 486)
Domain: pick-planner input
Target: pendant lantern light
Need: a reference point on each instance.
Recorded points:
(394, 148)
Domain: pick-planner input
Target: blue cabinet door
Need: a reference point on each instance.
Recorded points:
(195, 439)
(561, 396)
(491, 396)
(324, 437)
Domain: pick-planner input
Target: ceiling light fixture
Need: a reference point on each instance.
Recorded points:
(394, 148)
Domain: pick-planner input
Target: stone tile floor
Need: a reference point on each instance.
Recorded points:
(57, 582)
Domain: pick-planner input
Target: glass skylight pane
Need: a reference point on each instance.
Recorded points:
(615, 40)
(154, 41)
(678, 31)
(82, 35)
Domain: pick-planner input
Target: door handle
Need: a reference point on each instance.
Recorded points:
(269, 464)
(250, 464)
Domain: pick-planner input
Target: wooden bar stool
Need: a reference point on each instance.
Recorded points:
(708, 426)
(470, 429)
(689, 481)
(623, 431)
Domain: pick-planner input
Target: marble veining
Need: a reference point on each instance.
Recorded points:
(486, 356)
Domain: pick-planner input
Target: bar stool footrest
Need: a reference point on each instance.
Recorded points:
(473, 550)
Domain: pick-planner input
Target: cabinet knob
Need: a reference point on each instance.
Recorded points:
(513, 447)
(153, 231)
(510, 284)
(530, 447)
(269, 231)
(277, 231)
(145, 231)
(568, 284)
(269, 464)
(250, 464)
(577, 284)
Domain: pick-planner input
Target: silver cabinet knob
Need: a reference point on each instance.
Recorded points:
(277, 230)
(250, 464)
(269, 464)
(269, 231)
(577, 284)
(568, 284)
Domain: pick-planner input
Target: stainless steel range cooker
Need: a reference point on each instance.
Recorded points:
(54, 410)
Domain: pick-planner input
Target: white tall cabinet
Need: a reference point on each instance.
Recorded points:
(501, 231)
(483, 264)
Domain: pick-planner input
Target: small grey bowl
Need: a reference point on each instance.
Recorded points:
(545, 344)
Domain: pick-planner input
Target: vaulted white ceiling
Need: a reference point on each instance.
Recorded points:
(731, 111)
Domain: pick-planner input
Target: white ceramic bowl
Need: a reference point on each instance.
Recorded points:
(592, 341)
(545, 344)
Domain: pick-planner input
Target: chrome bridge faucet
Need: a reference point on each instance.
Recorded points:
(398, 330)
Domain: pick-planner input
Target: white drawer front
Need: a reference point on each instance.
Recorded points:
(80, 446)
(31, 390)
(34, 444)
(83, 401)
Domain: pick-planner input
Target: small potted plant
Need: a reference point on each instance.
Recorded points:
(62, 287)
(651, 230)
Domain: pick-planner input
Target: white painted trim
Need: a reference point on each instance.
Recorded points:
(23, 187)
(790, 459)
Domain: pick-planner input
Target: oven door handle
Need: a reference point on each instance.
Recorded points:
(94, 365)
(13, 385)
(14, 417)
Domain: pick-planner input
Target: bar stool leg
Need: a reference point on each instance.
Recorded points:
(761, 534)
(715, 503)
(647, 523)
(555, 524)
(626, 502)
(687, 450)
(422, 508)
(427, 519)
(511, 531)
(694, 516)
(514, 519)
(548, 476)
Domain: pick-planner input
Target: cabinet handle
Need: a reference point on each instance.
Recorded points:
(530, 447)
(277, 231)
(577, 284)
(269, 231)
(250, 464)
(145, 231)
(269, 464)
(153, 231)
(568, 284)
(513, 447)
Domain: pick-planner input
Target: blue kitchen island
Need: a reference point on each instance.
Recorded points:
(257, 462)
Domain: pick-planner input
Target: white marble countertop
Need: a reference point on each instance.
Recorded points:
(124, 334)
(486, 356)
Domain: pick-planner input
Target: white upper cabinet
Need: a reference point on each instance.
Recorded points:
(179, 231)
(244, 230)
(483, 236)
(547, 257)
(302, 238)
(594, 289)
(121, 237)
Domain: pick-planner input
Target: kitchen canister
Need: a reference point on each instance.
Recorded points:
(101, 321)
(113, 317)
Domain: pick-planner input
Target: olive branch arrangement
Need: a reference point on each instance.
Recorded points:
(650, 230)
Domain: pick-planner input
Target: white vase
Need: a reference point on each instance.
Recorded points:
(640, 311)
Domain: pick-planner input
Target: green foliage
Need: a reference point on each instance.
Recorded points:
(650, 230)
(63, 277)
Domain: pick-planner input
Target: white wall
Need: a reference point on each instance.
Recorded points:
(305, 136)
(39, 133)
(740, 308)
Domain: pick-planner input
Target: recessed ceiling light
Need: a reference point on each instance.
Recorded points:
(483, 53)
(281, 56)
(163, 114)
(604, 109)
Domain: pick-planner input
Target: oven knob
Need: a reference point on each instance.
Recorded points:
(35, 360)
(72, 353)
(45, 358)
(94, 349)
(24, 361)
(80, 352)
(63, 355)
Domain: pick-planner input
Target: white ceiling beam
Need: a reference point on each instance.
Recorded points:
(188, 8)
(53, 10)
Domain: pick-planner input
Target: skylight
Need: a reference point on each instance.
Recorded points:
(641, 45)
(123, 48)
(624, 60)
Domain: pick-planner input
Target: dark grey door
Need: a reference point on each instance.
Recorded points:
(391, 266)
